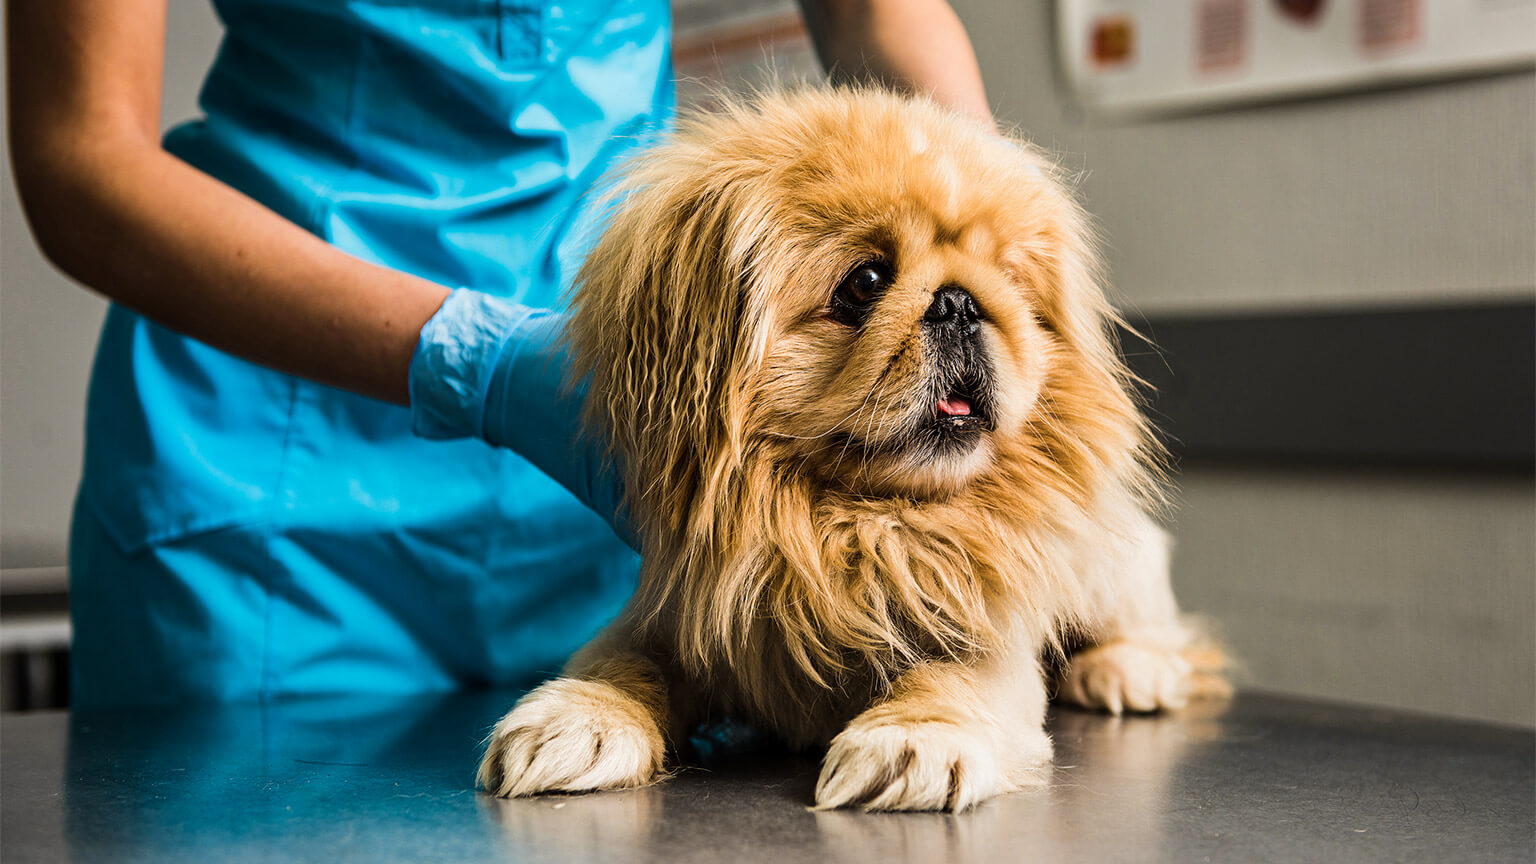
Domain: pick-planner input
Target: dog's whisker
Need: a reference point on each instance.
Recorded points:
(848, 440)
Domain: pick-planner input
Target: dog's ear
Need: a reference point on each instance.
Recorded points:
(1092, 391)
(1056, 255)
(661, 329)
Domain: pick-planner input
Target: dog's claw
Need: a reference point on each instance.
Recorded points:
(923, 765)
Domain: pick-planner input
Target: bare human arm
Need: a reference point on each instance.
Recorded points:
(914, 45)
(113, 210)
(116, 212)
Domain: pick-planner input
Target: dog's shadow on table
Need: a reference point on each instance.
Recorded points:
(735, 756)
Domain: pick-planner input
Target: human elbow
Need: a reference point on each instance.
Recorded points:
(54, 190)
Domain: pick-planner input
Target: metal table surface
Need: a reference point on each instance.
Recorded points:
(381, 780)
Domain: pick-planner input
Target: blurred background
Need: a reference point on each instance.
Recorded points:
(1322, 213)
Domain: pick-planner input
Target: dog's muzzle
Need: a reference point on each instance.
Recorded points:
(961, 379)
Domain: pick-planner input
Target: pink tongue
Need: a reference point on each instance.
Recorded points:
(955, 407)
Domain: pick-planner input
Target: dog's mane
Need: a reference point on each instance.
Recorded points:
(759, 572)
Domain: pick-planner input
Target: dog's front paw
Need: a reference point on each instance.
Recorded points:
(930, 764)
(1119, 676)
(571, 735)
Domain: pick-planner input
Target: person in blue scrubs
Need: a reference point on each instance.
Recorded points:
(327, 446)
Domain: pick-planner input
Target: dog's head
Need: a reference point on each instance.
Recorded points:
(854, 290)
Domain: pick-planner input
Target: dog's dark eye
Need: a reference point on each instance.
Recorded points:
(864, 285)
(859, 290)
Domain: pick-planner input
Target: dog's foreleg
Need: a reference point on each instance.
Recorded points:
(1140, 653)
(949, 736)
(598, 726)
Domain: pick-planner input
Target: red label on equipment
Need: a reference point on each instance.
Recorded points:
(1301, 11)
(1112, 41)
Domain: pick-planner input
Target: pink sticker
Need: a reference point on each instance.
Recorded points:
(1388, 24)
(1221, 34)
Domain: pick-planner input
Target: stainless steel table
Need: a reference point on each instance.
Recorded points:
(381, 780)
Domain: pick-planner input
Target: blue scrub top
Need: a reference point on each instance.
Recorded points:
(241, 533)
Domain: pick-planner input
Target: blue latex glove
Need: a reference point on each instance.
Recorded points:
(491, 369)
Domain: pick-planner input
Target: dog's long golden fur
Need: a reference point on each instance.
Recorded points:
(754, 566)
(801, 561)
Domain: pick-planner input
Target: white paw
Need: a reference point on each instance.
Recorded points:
(571, 735)
(887, 764)
(1121, 676)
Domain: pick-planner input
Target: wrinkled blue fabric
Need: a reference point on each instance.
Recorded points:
(241, 533)
(498, 371)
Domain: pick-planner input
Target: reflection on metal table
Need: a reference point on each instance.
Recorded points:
(391, 779)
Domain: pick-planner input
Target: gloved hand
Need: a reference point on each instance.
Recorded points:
(495, 370)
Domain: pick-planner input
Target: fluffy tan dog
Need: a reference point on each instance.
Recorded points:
(855, 361)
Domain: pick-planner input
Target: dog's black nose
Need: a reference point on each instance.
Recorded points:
(953, 304)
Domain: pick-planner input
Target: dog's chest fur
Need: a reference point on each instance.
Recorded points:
(801, 633)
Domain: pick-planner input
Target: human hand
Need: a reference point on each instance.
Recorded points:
(495, 370)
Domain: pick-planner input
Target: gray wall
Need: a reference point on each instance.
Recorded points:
(1421, 193)
(1410, 590)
